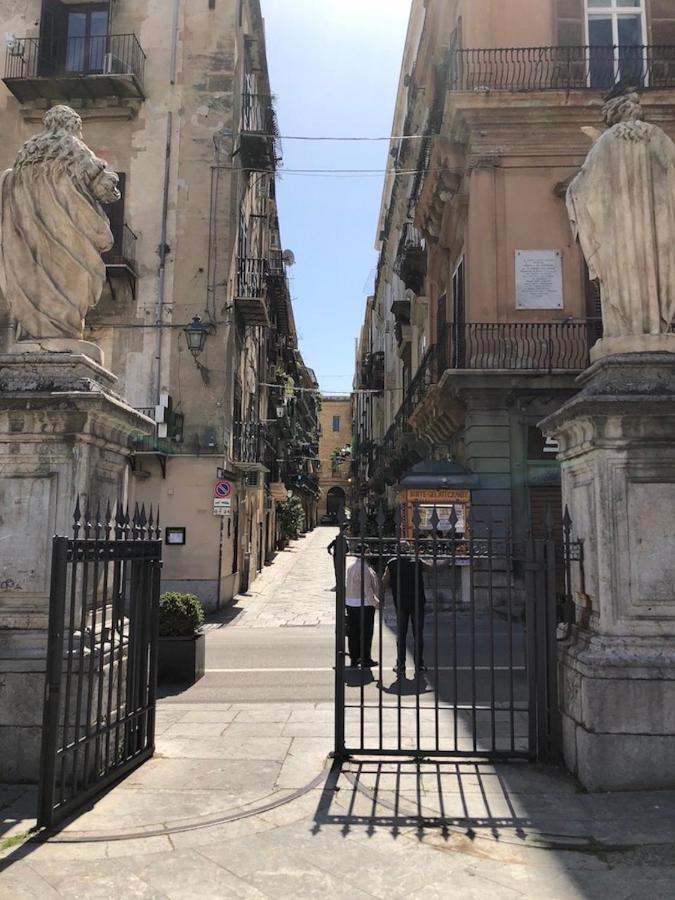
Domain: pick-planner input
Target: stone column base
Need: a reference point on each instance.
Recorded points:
(633, 343)
(618, 711)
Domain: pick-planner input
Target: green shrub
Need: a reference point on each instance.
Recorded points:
(291, 516)
(180, 615)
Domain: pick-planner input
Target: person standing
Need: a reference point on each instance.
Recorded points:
(404, 575)
(361, 600)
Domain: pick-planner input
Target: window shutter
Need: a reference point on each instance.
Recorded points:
(570, 23)
(662, 23)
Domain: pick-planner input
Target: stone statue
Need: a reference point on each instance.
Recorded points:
(622, 210)
(53, 230)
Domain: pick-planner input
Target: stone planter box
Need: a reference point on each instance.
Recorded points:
(181, 660)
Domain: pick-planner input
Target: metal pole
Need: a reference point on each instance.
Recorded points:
(340, 558)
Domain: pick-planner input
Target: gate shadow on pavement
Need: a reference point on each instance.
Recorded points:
(448, 798)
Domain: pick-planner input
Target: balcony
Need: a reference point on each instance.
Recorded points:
(373, 371)
(120, 262)
(257, 139)
(249, 442)
(411, 260)
(519, 346)
(250, 291)
(561, 68)
(87, 68)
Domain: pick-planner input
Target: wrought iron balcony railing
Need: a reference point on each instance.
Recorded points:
(54, 67)
(258, 131)
(411, 259)
(123, 253)
(249, 442)
(514, 346)
(561, 68)
(251, 280)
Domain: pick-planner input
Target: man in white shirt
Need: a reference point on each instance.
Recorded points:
(362, 592)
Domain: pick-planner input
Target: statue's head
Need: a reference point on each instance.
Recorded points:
(63, 118)
(622, 105)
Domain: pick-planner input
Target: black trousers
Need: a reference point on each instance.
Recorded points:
(405, 617)
(356, 638)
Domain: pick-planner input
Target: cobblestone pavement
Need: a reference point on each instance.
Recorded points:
(239, 803)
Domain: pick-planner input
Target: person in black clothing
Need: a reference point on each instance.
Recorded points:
(404, 575)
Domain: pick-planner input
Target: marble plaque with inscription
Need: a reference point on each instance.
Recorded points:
(539, 282)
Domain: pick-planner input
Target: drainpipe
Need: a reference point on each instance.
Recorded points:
(159, 315)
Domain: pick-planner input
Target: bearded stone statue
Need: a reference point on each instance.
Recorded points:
(622, 209)
(53, 230)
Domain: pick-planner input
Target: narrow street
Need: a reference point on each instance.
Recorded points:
(239, 800)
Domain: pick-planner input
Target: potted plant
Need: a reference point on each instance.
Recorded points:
(182, 644)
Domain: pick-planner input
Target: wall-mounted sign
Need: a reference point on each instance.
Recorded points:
(539, 283)
(222, 506)
(222, 490)
(175, 536)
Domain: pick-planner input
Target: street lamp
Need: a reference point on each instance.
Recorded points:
(196, 333)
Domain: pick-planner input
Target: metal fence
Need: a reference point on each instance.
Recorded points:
(99, 713)
(257, 114)
(464, 641)
(251, 279)
(109, 54)
(561, 68)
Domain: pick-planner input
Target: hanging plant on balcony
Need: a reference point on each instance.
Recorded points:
(286, 384)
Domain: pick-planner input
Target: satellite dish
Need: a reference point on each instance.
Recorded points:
(288, 257)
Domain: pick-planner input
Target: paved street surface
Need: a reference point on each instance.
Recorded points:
(240, 802)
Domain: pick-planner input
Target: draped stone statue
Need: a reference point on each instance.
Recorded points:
(53, 230)
(622, 210)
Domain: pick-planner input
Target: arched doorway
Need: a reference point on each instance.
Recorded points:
(334, 500)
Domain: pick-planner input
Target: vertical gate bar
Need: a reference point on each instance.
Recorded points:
(541, 672)
(416, 637)
(362, 636)
(122, 651)
(339, 747)
(552, 718)
(92, 653)
(472, 615)
(142, 655)
(114, 666)
(455, 693)
(436, 643)
(53, 681)
(101, 658)
(69, 672)
(380, 617)
(490, 551)
(531, 632)
(154, 647)
(400, 664)
(510, 559)
(80, 545)
(135, 616)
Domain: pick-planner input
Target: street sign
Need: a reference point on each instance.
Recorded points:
(222, 506)
(222, 490)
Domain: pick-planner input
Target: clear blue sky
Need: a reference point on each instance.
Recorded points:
(334, 69)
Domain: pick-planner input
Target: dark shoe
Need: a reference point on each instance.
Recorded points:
(370, 663)
(354, 663)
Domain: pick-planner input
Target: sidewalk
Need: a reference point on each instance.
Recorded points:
(240, 800)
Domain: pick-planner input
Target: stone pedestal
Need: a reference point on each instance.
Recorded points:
(64, 434)
(617, 669)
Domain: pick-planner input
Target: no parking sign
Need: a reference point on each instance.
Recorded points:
(222, 490)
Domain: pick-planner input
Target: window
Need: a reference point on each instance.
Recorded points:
(336, 423)
(616, 32)
(74, 38)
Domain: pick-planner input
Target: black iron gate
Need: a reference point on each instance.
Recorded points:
(99, 712)
(463, 655)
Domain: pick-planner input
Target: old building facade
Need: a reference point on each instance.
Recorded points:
(483, 309)
(335, 452)
(195, 320)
